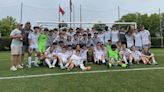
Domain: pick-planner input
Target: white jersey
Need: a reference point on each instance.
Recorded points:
(84, 54)
(136, 55)
(114, 36)
(63, 56)
(101, 36)
(77, 60)
(126, 53)
(107, 36)
(99, 54)
(145, 37)
(138, 40)
(34, 39)
(130, 40)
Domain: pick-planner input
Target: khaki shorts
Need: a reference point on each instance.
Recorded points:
(16, 50)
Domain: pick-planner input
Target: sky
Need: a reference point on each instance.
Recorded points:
(92, 10)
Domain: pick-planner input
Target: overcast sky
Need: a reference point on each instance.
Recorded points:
(92, 10)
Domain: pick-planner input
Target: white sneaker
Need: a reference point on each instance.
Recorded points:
(13, 68)
(29, 66)
(155, 63)
(35, 64)
(19, 66)
(52, 66)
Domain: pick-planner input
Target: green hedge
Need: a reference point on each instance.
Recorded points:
(5, 44)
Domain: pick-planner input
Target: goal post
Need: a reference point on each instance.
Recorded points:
(55, 24)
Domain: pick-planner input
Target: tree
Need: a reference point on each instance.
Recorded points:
(7, 25)
(99, 26)
(151, 22)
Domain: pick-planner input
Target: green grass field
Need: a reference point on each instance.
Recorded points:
(121, 81)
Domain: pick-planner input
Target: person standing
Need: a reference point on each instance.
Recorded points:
(16, 47)
(145, 36)
(25, 32)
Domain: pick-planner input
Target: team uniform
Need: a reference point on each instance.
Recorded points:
(42, 40)
(138, 40)
(99, 55)
(129, 40)
(107, 36)
(50, 59)
(145, 38)
(64, 59)
(114, 36)
(126, 55)
(77, 60)
(136, 55)
(33, 37)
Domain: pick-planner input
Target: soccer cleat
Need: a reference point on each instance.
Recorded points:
(29, 66)
(35, 64)
(155, 63)
(109, 65)
(19, 66)
(53, 66)
(13, 68)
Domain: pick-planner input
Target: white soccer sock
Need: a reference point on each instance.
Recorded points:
(103, 61)
(125, 60)
(48, 63)
(54, 62)
(82, 67)
(67, 65)
(36, 59)
(29, 61)
(61, 65)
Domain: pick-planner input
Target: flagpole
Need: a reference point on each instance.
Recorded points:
(59, 16)
(73, 15)
(80, 16)
(70, 13)
(59, 13)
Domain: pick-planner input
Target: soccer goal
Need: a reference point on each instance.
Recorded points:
(84, 25)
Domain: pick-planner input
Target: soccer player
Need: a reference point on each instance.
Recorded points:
(25, 32)
(137, 55)
(63, 58)
(126, 54)
(42, 40)
(33, 46)
(107, 34)
(129, 37)
(99, 57)
(113, 57)
(122, 33)
(150, 59)
(95, 39)
(146, 38)
(114, 35)
(76, 60)
(16, 47)
(138, 40)
(50, 56)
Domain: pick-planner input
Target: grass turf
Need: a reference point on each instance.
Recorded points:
(132, 81)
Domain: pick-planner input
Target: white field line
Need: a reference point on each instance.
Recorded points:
(81, 72)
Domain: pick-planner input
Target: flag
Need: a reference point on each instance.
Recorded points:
(61, 10)
(70, 5)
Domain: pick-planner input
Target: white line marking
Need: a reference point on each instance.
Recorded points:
(81, 72)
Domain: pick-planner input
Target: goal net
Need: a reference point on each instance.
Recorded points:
(84, 25)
